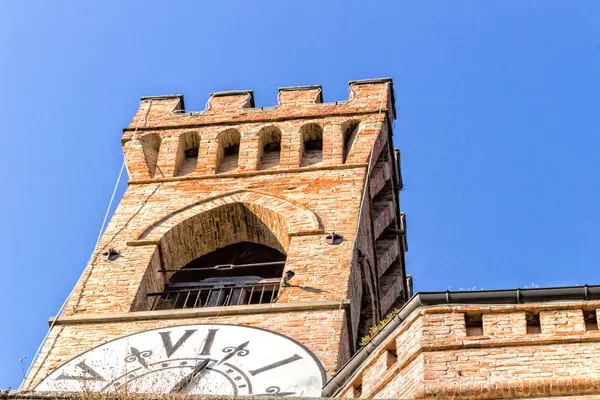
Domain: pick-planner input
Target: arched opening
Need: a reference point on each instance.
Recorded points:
(187, 156)
(209, 226)
(269, 148)
(312, 148)
(239, 274)
(228, 151)
(151, 147)
(350, 130)
(207, 255)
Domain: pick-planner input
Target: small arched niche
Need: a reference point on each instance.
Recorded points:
(312, 145)
(228, 150)
(239, 274)
(151, 147)
(187, 156)
(350, 131)
(269, 148)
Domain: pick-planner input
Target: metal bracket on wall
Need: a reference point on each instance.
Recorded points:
(334, 238)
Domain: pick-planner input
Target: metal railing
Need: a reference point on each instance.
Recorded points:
(213, 296)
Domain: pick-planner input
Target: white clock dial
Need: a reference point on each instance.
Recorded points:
(194, 359)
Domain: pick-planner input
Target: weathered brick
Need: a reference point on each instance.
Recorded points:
(436, 359)
(202, 181)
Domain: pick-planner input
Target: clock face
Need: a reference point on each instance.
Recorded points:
(194, 359)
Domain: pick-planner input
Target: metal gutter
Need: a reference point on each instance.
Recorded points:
(489, 297)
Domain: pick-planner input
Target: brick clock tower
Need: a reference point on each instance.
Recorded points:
(252, 250)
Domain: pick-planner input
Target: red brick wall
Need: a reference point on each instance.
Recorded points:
(178, 208)
(67, 341)
(435, 358)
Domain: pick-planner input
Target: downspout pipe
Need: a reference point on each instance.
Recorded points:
(488, 297)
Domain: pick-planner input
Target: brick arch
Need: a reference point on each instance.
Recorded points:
(311, 133)
(203, 227)
(269, 158)
(150, 148)
(298, 220)
(349, 133)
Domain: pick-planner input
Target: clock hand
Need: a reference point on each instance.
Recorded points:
(240, 351)
(185, 382)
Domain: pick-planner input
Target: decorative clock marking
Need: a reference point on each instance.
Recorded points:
(235, 351)
(194, 359)
(138, 356)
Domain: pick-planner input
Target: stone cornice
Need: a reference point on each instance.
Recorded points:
(305, 306)
(248, 174)
(249, 118)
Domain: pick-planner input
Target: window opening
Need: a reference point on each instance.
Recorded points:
(591, 322)
(229, 150)
(239, 274)
(151, 147)
(230, 158)
(474, 324)
(312, 152)
(533, 323)
(350, 132)
(188, 158)
(391, 356)
(270, 140)
(357, 391)
(191, 153)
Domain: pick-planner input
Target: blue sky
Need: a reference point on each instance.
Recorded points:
(498, 106)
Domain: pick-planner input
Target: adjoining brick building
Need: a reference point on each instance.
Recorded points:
(255, 247)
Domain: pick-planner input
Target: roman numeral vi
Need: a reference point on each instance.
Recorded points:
(171, 348)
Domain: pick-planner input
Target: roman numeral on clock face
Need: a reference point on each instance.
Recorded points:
(202, 359)
(88, 374)
(277, 364)
(171, 348)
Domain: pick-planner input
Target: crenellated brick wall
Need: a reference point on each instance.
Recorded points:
(199, 181)
(440, 352)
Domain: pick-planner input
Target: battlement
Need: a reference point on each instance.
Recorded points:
(232, 136)
(365, 96)
(493, 351)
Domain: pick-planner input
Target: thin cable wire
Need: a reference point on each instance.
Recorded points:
(62, 307)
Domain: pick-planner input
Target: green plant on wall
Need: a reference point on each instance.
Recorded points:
(375, 329)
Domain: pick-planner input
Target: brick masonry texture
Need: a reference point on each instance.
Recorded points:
(430, 355)
(232, 173)
(203, 181)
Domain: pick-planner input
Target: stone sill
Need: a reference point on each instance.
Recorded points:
(201, 312)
